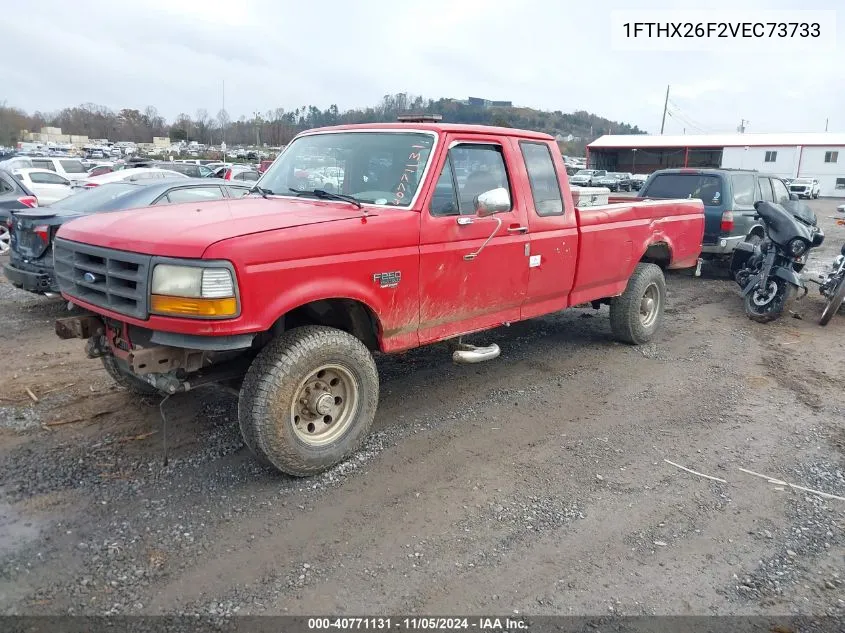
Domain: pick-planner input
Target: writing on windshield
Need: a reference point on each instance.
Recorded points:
(375, 167)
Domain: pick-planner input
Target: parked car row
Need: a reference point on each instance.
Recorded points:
(31, 232)
(613, 180)
(14, 196)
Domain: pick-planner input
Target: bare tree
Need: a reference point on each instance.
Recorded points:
(201, 123)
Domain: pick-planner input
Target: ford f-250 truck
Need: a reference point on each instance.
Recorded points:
(437, 231)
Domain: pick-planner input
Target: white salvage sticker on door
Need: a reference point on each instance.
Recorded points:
(534, 261)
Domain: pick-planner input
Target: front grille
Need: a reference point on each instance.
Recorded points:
(118, 280)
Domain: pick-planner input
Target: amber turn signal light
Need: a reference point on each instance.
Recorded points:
(187, 306)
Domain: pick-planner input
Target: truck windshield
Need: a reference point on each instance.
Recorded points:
(706, 188)
(374, 167)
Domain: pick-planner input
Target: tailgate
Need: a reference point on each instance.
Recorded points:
(692, 184)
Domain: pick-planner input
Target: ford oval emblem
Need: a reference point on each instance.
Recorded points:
(90, 278)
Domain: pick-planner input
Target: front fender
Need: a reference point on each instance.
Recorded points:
(788, 275)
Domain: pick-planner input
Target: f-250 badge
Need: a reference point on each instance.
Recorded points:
(388, 280)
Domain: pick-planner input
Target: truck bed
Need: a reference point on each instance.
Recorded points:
(614, 237)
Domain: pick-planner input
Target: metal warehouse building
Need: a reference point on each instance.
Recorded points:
(819, 155)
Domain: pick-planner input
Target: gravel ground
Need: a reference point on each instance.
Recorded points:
(535, 483)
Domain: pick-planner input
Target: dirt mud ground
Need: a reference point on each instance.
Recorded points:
(535, 483)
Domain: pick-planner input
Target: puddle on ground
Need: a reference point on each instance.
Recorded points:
(16, 530)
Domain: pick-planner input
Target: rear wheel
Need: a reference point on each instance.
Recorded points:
(636, 314)
(836, 299)
(125, 379)
(308, 400)
(767, 305)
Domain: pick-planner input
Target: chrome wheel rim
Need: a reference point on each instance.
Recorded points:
(760, 299)
(650, 305)
(5, 240)
(324, 405)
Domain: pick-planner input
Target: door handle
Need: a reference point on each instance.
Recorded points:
(464, 220)
(515, 228)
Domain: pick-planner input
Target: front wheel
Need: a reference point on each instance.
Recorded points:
(765, 306)
(636, 314)
(308, 400)
(836, 299)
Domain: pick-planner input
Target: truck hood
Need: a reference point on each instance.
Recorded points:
(187, 230)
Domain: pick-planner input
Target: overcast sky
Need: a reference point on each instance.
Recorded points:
(549, 54)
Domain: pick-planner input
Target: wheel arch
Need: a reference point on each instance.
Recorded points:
(756, 230)
(657, 252)
(351, 315)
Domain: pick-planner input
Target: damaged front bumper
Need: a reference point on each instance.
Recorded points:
(169, 368)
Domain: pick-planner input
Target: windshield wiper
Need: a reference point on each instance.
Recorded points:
(265, 193)
(327, 195)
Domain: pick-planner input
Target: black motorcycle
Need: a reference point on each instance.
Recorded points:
(768, 270)
(833, 288)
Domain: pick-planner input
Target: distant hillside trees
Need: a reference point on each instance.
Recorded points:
(276, 127)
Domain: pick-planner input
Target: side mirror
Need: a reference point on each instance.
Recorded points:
(793, 196)
(492, 201)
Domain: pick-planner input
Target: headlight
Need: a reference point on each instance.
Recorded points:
(797, 247)
(193, 291)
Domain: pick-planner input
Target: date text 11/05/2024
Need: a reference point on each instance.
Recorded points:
(418, 624)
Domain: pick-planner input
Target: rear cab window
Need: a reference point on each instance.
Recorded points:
(705, 187)
(545, 187)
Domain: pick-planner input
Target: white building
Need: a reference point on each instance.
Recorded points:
(793, 155)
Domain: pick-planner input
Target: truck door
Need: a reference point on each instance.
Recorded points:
(459, 292)
(553, 230)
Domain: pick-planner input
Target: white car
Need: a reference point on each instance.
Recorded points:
(132, 175)
(587, 177)
(47, 185)
(805, 187)
(71, 168)
(328, 178)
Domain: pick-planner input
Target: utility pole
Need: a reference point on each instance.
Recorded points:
(665, 107)
(826, 121)
(741, 127)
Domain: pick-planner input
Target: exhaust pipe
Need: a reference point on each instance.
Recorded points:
(470, 354)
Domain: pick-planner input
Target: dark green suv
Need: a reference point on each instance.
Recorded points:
(728, 196)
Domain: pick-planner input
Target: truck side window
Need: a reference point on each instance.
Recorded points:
(484, 168)
(444, 201)
(545, 188)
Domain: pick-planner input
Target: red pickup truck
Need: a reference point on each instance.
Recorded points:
(430, 231)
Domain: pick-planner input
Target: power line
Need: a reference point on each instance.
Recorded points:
(680, 113)
(682, 119)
